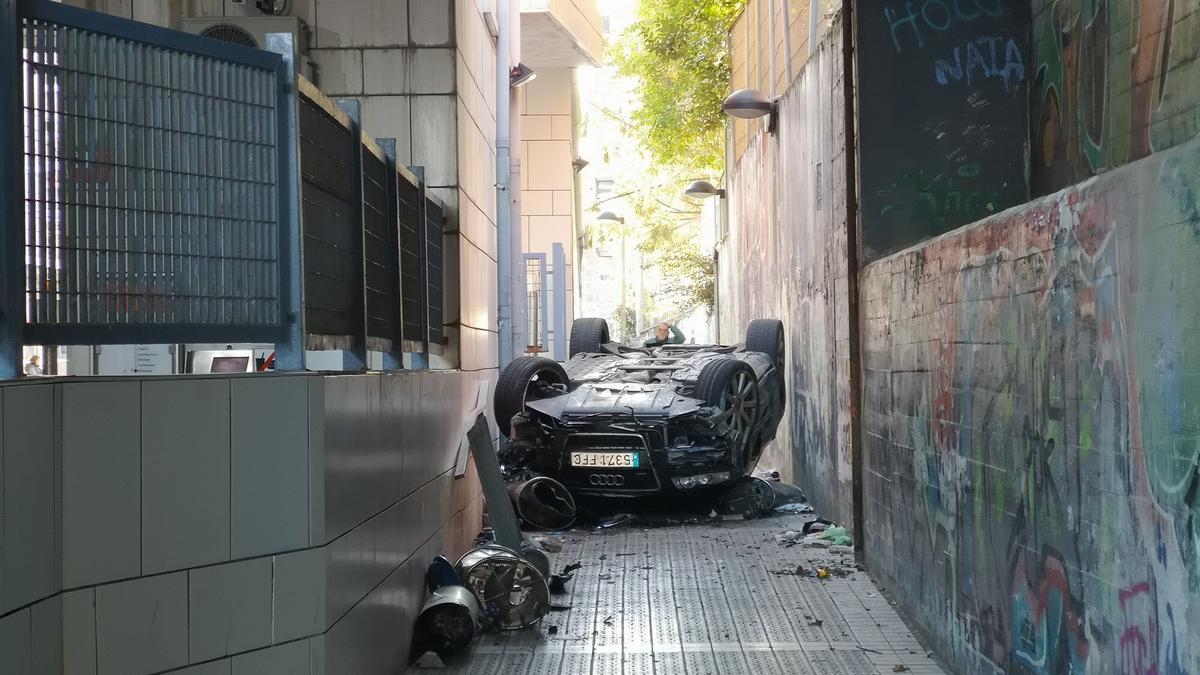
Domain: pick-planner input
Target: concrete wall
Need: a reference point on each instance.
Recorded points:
(254, 524)
(1031, 406)
(1115, 81)
(785, 257)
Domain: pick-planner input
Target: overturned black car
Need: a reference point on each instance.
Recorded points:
(618, 421)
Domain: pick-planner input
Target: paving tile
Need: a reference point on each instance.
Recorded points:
(702, 599)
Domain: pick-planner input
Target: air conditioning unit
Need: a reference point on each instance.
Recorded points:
(251, 31)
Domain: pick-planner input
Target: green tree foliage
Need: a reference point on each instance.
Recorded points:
(691, 282)
(678, 51)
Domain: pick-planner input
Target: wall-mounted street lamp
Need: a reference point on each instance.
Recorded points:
(702, 189)
(610, 217)
(520, 74)
(748, 104)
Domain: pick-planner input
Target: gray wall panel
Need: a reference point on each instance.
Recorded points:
(185, 473)
(46, 630)
(299, 594)
(229, 609)
(316, 462)
(269, 465)
(142, 625)
(287, 659)
(15, 642)
(101, 435)
(30, 566)
(79, 632)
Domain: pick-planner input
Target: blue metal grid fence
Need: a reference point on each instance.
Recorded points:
(150, 183)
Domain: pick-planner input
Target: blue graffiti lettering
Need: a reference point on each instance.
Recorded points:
(938, 16)
(981, 66)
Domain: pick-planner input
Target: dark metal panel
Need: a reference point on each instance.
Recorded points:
(12, 283)
(435, 222)
(332, 246)
(380, 249)
(412, 255)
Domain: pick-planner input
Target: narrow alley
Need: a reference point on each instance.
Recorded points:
(710, 598)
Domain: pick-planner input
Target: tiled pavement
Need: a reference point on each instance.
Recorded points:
(701, 599)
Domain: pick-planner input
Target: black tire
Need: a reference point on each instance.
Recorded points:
(731, 386)
(588, 335)
(766, 336)
(514, 386)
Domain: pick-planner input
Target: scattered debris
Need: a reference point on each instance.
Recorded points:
(749, 498)
(543, 503)
(547, 542)
(899, 668)
(615, 520)
(429, 660)
(448, 622)
(841, 549)
(817, 525)
(552, 630)
(815, 622)
(608, 620)
(511, 591)
(822, 573)
(767, 474)
(441, 573)
(558, 582)
(838, 535)
(560, 608)
(787, 494)
(794, 508)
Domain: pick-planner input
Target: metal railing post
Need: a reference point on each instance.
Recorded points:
(559, 270)
(290, 354)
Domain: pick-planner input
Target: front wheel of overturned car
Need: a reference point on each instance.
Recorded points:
(730, 386)
(588, 335)
(526, 379)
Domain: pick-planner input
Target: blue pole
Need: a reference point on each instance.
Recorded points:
(12, 213)
(559, 270)
(289, 354)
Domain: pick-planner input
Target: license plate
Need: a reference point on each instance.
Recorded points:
(607, 460)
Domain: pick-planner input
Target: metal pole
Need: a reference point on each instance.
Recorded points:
(12, 216)
(289, 354)
(559, 257)
(356, 357)
(504, 248)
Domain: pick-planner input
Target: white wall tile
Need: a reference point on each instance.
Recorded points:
(408, 71)
(564, 202)
(429, 21)
(142, 625)
(435, 138)
(339, 71)
(229, 608)
(537, 127)
(269, 466)
(28, 570)
(388, 117)
(79, 632)
(185, 473)
(562, 127)
(549, 93)
(101, 436)
(299, 594)
(361, 23)
(537, 203)
(548, 165)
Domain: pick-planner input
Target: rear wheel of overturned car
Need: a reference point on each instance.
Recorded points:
(731, 387)
(766, 336)
(526, 379)
(588, 335)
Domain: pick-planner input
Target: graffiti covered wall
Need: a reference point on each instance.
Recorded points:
(943, 110)
(1032, 429)
(785, 258)
(1112, 82)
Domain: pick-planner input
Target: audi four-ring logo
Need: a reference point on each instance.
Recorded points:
(606, 479)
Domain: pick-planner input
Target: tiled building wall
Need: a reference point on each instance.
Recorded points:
(1030, 416)
(255, 524)
(547, 172)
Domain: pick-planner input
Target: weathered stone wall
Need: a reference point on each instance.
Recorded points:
(785, 258)
(1031, 418)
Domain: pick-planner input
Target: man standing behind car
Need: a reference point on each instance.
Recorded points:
(661, 336)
